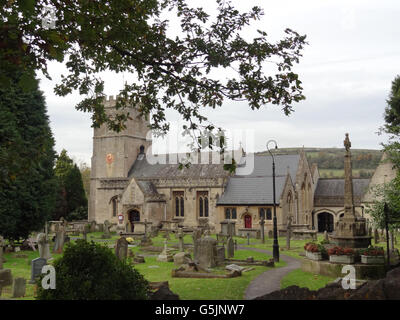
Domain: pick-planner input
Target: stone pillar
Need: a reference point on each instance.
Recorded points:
(348, 182)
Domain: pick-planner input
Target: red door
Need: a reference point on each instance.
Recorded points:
(247, 222)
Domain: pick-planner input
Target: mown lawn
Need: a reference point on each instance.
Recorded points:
(305, 280)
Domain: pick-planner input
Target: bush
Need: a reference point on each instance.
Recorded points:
(90, 271)
(372, 251)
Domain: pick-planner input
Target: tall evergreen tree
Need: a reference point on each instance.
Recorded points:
(27, 187)
(72, 201)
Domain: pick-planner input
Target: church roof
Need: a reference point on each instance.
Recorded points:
(330, 192)
(256, 188)
(142, 169)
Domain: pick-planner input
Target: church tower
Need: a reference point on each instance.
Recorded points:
(113, 155)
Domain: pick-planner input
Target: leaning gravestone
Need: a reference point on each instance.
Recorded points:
(207, 252)
(19, 288)
(121, 248)
(36, 268)
(44, 246)
(230, 247)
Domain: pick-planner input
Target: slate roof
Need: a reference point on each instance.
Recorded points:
(330, 192)
(142, 169)
(256, 188)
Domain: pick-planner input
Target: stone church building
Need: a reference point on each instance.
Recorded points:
(128, 190)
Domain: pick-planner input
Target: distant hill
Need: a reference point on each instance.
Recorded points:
(330, 160)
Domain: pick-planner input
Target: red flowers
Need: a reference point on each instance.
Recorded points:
(372, 251)
(339, 251)
(311, 247)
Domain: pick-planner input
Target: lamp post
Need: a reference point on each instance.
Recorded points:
(275, 246)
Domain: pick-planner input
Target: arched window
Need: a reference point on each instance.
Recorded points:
(114, 205)
(182, 207)
(230, 213)
(179, 198)
(177, 206)
(201, 207)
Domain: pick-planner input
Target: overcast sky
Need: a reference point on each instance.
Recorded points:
(347, 69)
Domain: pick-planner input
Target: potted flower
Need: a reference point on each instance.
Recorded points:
(372, 255)
(314, 251)
(341, 255)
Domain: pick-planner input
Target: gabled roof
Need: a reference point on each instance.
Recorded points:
(330, 192)
(256, 188)
(142, 169)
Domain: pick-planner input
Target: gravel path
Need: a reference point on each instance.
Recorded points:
(270, 280)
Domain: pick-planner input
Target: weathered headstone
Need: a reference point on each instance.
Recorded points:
(326, 237)
(262, 222)
(195, 236)
(44, 246)
(248, 238)
(121, 248)
(180, 239)
(93, 226)
(220, 254)
(234, 267)
(288, 232)
(165, 255)
(206, 252)
(182, 258)
(107, 226)
(230, 246)
(19, 288)
(36, 268)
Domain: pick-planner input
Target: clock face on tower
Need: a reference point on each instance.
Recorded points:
(109, 158)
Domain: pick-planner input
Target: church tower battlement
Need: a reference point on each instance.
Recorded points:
(113, 155)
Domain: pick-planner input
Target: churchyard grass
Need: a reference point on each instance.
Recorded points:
(305, 280)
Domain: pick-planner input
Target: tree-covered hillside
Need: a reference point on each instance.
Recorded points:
(330, 160)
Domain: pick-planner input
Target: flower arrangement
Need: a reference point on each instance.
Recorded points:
(314, 247)
(372, 251)
(339, 251)
(129, 240)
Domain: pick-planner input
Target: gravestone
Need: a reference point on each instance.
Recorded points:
(206, 252)
(326, 237)
(220, 254)
(107, 226)
(262, 222)
(165, 255)
(121, 248)
(180, 238)
(182, 258)
(93, 226)
(248, 238)
(195, 236)
(288, 232)
(60, 238)
(230, 246)
(44, 246)
(19, 288)
(36, 268)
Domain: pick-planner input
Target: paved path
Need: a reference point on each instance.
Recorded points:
(270, 280)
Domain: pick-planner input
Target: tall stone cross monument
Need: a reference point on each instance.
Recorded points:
(351, 231)
(348, 182)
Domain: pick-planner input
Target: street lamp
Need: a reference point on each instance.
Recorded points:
(275, 246)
